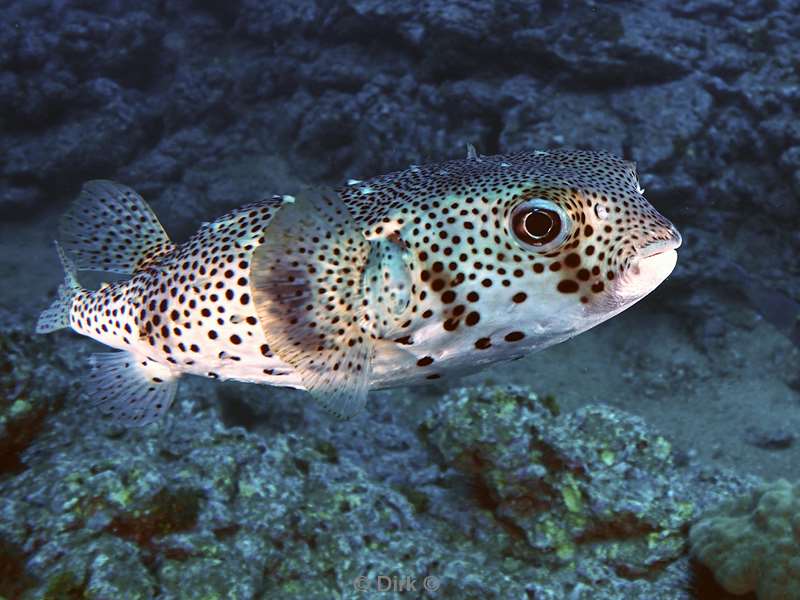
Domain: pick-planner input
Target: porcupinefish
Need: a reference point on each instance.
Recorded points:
(395, 280)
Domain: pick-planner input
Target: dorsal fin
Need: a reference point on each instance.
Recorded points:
(306, 281)
(111, 228)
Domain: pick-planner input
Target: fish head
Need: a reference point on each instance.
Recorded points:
(593, 243)
(513, 253)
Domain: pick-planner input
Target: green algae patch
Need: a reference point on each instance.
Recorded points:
(549, 402)
(169, 511)
(328, 451)
(572, 496)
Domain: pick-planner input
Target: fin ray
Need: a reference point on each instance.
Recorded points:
(111, 228)
(56, 316)
(133, 391)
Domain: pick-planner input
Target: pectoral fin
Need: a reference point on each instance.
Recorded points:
(306, 281)
(387, 285)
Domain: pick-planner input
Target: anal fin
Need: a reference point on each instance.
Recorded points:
(306, 280)
(133, 391)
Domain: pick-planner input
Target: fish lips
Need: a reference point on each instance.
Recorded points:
(653, 265)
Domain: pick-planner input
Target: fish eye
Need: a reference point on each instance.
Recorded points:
(540, 223)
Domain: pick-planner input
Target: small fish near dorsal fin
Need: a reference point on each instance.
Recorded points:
(132, 391)
(111, 228)
(306, 284)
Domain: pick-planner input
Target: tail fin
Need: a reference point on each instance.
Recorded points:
(57, 316)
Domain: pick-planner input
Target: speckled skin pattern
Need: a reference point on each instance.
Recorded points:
(192, 310)
(479, 293)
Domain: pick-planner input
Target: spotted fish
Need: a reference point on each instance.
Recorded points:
(395, 280)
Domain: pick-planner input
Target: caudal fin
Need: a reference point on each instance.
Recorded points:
(57, 316)
(111, 228)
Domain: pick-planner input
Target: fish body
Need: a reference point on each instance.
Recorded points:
(390, 281)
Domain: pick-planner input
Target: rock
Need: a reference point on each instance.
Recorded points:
(126, 48)
(91, 147)
(117, 571)
(27, 398)
(567, 120)
(199, 94)
(183, 510)
(204, 523)
(750, 9)
(596, 46)
(587, 486)
(343, 68)
(790, 161)
(206, 191)
(380, 129)
(151, 173)
(751, 544)
(662, 122)
(36, 101)
(275, 21)
(769, 439)
(17, 201)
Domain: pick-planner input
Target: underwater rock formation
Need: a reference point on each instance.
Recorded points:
(594, 487)
(752, 543)
(28, 393)
(511, 498)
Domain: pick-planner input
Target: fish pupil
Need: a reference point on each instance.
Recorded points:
(539, 226)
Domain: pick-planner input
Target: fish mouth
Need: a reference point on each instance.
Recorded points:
(652, 265)
(657, 247)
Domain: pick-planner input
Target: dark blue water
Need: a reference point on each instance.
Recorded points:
(582, 481)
